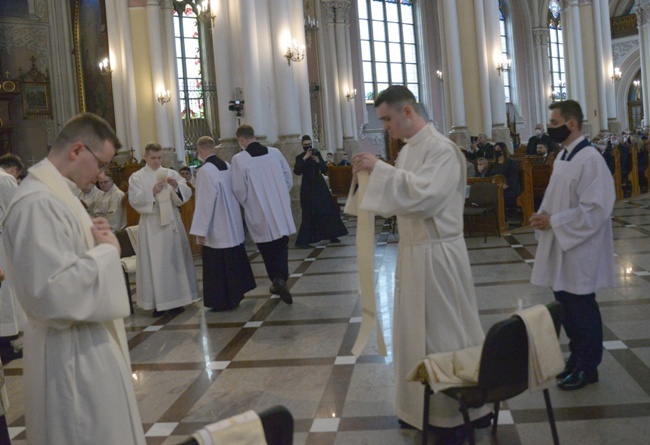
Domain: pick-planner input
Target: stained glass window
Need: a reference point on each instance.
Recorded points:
(505, 55)
(556, 52)
(188, 59)
(389, 51)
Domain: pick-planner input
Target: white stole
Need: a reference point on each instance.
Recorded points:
(164, 198)
(47, 173)
(366, 263)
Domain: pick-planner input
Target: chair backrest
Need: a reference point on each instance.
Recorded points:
(340, 179)
(484, 194)
(503, 371)
(126, 246)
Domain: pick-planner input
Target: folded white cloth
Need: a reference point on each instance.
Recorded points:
(242, 429)
(545, 358)
(448, 369)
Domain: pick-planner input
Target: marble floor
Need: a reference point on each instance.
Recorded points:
(198, 366)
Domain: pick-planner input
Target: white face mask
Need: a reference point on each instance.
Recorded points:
(538, 132)
(602, 147)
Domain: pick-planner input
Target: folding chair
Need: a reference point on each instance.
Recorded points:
(503, 373)
(483, 199)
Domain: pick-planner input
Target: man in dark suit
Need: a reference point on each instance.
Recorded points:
(485, 149)
(539, 138)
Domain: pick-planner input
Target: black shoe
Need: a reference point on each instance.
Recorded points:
(283, 290)
(273, 290)
(450, 436)
(483, 422)
(569, 367)
(10, 356)
(578, 380)
(157, 314)
(335, 240)
(177, 310)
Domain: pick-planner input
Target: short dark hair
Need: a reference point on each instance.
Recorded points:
(245, 131)
(397, 96)
(10, 160)
(152, 146)
(569, 109)
(184, 168)
(504, 148)
(88, 127)
(306, 138)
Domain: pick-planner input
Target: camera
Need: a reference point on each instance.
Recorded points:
(237, 106)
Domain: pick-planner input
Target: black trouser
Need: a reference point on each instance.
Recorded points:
(584, 327)
(276, 257)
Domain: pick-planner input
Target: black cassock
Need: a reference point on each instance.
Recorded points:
(321, 217)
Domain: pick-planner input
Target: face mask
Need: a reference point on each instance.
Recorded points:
(538, 132)
(306, 147)
(559, 134)
(602, 147)
(498, 154)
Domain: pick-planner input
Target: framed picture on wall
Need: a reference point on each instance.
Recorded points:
(36, 100)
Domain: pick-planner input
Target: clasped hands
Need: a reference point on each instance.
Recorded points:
(161, 184)
(540, 221)
(102, 233)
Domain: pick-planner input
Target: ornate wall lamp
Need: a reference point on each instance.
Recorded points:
(294, 53)
(351, 94)
(504, 64)
(439, 75)
(105, 67)
(616, 75)
(164, 97)
(205, 11)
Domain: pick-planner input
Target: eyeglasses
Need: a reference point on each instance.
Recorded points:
(100, 164)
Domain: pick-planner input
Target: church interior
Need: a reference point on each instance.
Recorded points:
(171, 71)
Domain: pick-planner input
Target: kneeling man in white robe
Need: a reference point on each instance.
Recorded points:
(67, 275)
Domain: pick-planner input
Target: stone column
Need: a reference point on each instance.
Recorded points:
(572, 27)
(173, 108)
(250, 65)
(542, 76)
(459, 132)
(332, 90)
(221, 46)
(644, 45)
(613, 124)
(500, 132)
(483, 64)
(604, 69)
(154, 27)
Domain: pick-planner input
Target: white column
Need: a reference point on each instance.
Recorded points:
(604, 69)
(483, 64)
(288, 106)
(301, 69)
(345, 80)
(455, 67)
(221, 44)
(608, 60)
(250, 65)
(62, 64)
(328, 133)
(350, 76)
(497, 96)
(173, 108)
(333, 91)
(542, 75)
(154, 28)
(644, 35)
(571, 20)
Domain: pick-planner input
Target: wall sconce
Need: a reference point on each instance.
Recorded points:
(205, 12)
(636, 83)
(164, 97)
(105, 67)
(616, 75)
(294, 53)
(314, 89)
(351, 94)
(504, 64)
(311, 24)
(439, 75)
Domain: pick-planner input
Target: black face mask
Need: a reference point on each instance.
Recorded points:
(498, 154)
(306, 147)
(559, 134)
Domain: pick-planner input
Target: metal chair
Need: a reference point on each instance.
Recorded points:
(483, 199)
(503, 373)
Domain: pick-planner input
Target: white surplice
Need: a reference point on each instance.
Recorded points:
(111, 207)
(577, 254)
(91, 199)
(434, 304)
(12, 316)
(165, 274)
(78, 384)
(217, 215)
(261, 185)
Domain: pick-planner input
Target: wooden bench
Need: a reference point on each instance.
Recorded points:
(340, 179)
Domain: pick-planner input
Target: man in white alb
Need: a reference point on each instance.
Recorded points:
(90, 196)
(261, 180)
(435, 304)
(110, 205)
(165, 275)
(67, 275)
(217, 222)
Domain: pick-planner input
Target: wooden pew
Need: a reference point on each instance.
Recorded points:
(500, 180)
(618, 182)
(633, 176)
(340, 179)
(187, 213)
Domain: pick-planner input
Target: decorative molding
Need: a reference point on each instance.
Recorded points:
(50, 127)
(374, 136)
(33, 37)
(641, 15)
(620, 50)
(540, 36)
(337, 11)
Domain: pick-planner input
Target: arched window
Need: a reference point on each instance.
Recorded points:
(388, 46)
(556, 51)
(188, 59)
(505, 54)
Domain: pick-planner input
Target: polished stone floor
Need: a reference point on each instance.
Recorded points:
(198, 367)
